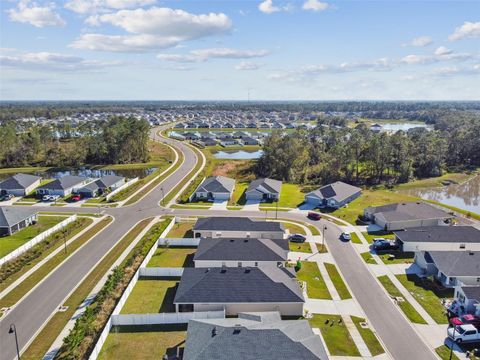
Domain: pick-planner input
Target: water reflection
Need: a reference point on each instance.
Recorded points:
(401, 126)
(238, 154)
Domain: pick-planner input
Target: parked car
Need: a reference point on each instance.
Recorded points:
(384, 244)
(75, 198)
(314, 216)
(6, 197)
(463, 333)
(297, 238)
(466, 319)
(345, 236)
(46, 198)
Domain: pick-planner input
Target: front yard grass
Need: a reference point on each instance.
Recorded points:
(125, 343)
(239, 194)
(151, 296)
(368, 258)
(396, 257)
(378, 234)
(355, 239)
(181, 230)
(12, 242)
(428, 295)
(294, 228)
(335, 333)
(404, 305)
(338, 281)
(172, 257)
(300, 247)
(316, 287)
(368, 336)
(444, 353)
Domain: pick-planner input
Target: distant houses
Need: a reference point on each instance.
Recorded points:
(63, 186)
(335, 195)
(264, 189)
(13, 219)
(215, 188)
(101, 186)
(19, 184)
(238, 227)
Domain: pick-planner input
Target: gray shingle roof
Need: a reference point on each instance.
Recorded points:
(108, 180)
(409, 211)
(338, 191)
(238, 285)
(273, 186)
(472, 292)
(252, 336)
(64, 182)
(19, 181)
(10, 216)
(219, 184)
(236, 224)
(240, 250)
(443, 234)
(457, 263)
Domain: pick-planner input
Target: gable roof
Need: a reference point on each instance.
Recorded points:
(472, 292)
(442, 234)
(409, 211)
(64, 182)
(457, 263)
(19, 181)
(108, 180)
(220, 184)
(338, 191)
(238, 285)
(271, 185)
(240, 250)
(10, 216)
(236, 224)
(252, 336)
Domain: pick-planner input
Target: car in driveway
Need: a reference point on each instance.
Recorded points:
(75, 198)
(314, 216)
(345, 236)
(49, 198)
(464, 333)
(6, 197)
(466, 319)
(297, 238)
(384, 244)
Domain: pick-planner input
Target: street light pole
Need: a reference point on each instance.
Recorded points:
(323, 236)
(276, 209)
(13, 330)
(163, 197)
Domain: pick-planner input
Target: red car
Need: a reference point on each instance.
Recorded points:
(76, 198)
(466, 319)
(314, 216)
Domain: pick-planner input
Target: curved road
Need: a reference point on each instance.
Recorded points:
(36, 308)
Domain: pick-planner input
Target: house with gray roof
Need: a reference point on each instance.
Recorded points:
(252, 336)
(63, 186)
(468, 299)
(247, 252)
(238, 227)
(405, 215)
(101, 186)
(264, 189)
(19, 184)
(236, 290)
(215, 188)
(335, 195)
(13, 219)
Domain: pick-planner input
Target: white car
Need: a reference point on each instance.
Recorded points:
(464, 333)
(345, 236)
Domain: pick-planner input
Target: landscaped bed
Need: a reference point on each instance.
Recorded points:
(316, 287)
(146, 342)
(151, 296)
(172, 257)
(338, 281)
(368, 336)
(336, 335)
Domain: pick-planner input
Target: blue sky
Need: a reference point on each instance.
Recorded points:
(225, 49)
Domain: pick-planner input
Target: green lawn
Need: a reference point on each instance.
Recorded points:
(172, 257)
(436, 181)
(336, 335)
(444, 353)
(316, 288)
(355, 239)
(397, 257)
(368, 258)
(338, 281)
(369, 337)
(181, 230)
(380, 234)
(151, 296)
(428, 295)
(124, 343)
(12, 242)
(300, 247)
(405, 306)
(294, 228)
(239, 193)
(290, 196)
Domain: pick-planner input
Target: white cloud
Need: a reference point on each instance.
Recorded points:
(416, 59)
(442, 50)
(95, 6)
(154, 28)
(215, 53)
(248, 65)
(29, 12)
(467, 30)
(420, 41)
(268, 7)
(315, 5)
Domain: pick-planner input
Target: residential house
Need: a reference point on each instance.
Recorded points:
(101, 186)
(13, 219)
(246, 252)
(252, 336)
(63, 186)
(236, 290)
(207, 141)
(247, 140)
(335, 195)
(191, 136)
(376, 128)
(467, 300)
(215, 188)
(238, 227)
(264, 189)
(19, 184)
(401, 216)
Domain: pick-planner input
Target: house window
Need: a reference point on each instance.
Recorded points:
(239, 264)
(462, 246)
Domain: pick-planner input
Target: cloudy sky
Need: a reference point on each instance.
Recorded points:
(227, 49)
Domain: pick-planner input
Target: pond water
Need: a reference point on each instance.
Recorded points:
(238, 154)
(464, 196)
(401, 126)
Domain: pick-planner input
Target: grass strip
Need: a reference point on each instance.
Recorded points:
(316, 287)
(368, 258)
(338, 281)
(368, 336)
(355, 238)
(444, 353)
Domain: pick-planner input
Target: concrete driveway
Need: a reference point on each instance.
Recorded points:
(251, 205)
(219, 205)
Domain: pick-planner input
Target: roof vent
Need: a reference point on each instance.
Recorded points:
(247, 270)
(246, 240)
(208, 269)
(224, 269)
(471, 253)
(237, 328)
(232, 240)
(214, 331)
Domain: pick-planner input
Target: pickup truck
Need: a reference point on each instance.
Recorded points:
(463, 333)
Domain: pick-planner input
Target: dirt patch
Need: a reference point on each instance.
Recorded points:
(241, 170)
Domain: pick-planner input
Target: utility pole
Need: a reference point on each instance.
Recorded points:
(13, 330)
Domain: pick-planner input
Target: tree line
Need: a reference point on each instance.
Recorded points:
(119, 140)
(360, 156)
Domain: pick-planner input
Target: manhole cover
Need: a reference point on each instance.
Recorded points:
(364, 325)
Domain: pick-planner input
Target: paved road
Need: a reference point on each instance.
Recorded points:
(31, 313)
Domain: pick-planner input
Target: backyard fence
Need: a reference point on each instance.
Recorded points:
(164, 318)
(160, 272)
(178, 241)
(28, 245)
(124, 186)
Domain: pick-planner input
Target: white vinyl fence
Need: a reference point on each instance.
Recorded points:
(178, 241)
(164, 318)
(124, 186)
(37, 239)
(160, 272)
